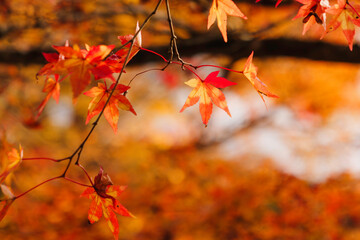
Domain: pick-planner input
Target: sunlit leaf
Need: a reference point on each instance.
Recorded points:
(208, 93)
(219, 10)
(100, 95)
(250, 72)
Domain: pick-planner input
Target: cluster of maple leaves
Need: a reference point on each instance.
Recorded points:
(97, 62)
(80, 66)
(343, 14)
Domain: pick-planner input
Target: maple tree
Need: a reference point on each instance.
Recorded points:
(96, 71)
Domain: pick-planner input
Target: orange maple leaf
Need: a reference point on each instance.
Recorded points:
(208, 93)
(313, 11)
(219, 10)
(116, 61)
(9, 163)
(346, 16)
(52, 88)
(103, 196)
(250, 72)
(80, 64)
(100, 94)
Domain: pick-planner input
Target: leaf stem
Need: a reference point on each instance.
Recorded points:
(49, 180)
(145, 71)
(78, 183)
(80, 166)
(153, 52)
(183, 64)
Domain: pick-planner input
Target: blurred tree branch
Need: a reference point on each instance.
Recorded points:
(213, 44)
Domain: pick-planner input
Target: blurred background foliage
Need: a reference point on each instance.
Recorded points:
(288, 171)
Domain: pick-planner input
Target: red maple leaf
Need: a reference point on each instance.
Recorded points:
(219, 10)
(52, 87)
(100, 94)
(52, 59)
(116, 61)
(103, 196)
(208, 92)
(80, 64)
(51, 68)
(250, 72)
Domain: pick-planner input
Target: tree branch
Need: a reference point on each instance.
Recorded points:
(313, 50)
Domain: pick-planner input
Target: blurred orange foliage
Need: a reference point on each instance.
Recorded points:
(289, 172)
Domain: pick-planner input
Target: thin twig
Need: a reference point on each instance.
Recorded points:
(173, 44)
(145, 71)
(78, 183)
(80, 166)
(36, 186)
(183, 64)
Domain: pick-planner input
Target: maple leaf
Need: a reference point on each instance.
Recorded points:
(207, 92)
(10, 162)
(250, 72)
(346, 16)
(116, 61)
(219, 10)
(52, 59)
(313, 11)
(100, 94)
(52, 88)
(51, 68)
(103, 196)
(80, 64)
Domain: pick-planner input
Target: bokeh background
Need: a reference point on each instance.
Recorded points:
(286, 171)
